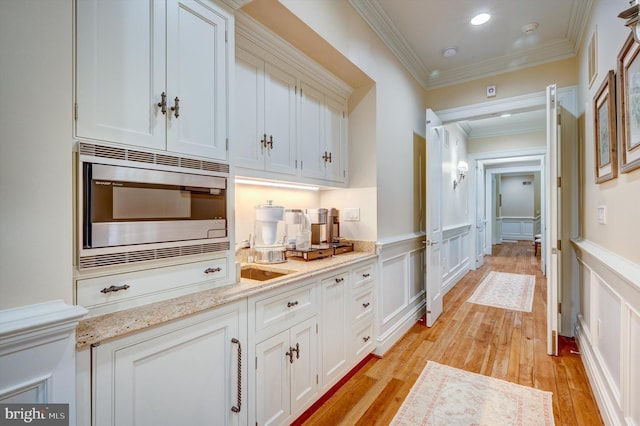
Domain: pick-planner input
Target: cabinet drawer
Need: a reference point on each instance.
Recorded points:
(364, 339)
(121, 291)
(294, 304)
(363, 276)
(362, 305)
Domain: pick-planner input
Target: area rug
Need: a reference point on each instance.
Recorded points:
(447, 396)
(507, 291)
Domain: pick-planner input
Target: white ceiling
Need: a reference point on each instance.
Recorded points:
(417, 31)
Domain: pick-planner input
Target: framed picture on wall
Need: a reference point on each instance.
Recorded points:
(604, 111)
(629, 106)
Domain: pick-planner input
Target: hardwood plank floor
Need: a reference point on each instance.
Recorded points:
(505, 344)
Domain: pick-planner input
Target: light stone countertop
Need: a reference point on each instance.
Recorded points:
(93, 331)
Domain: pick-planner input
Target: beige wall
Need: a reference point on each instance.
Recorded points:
(530, 80)
(620, 196)
(399, 111)
(507, 142)
(36, 226)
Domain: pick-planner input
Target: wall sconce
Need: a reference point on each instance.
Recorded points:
(632, 19)
(463, 168)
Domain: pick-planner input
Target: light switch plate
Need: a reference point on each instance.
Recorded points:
(351, 214)
(602, 215)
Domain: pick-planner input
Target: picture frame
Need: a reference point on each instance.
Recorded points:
(629, 106)
(592, 50)
(604, 111)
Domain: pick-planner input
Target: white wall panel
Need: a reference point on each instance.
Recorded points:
(395, 292)
(607, 330)
(634, 368)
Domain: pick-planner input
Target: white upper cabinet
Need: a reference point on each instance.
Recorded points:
(264, 116)
(323, 135)
(290, 113)
(154, 74)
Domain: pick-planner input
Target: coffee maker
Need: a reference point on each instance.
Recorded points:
(318, 224)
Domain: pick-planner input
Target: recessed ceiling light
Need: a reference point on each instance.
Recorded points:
(480, 19)
(449, 52)
(505, 115)
(530, 28)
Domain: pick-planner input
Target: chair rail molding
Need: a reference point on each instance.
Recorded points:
(37, 354)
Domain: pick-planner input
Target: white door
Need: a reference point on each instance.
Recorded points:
(334, 331)
(481, 221)
(280, 120)
(434, 217)
(120, 72)
(551, 236)
(272, 390)
(197, 77)
(304, 369)
(248, 130)
(187, 375)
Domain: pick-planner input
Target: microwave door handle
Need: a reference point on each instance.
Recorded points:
(131, 174)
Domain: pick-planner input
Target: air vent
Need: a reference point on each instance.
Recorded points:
(89, 262)
(168, 160)
(103, 151)
(140, 156)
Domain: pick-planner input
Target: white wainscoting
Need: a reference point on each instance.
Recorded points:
(37, 354)
(519, 228)
(399, 288)
(455, 255)
(608, 330)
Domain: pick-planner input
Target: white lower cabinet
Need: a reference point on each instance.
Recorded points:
(286, 373)
(188, 372)
(361, 317)
(335, 328)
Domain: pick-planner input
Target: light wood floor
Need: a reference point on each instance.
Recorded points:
(505, 344)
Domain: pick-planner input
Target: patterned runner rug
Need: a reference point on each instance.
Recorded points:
(507, 291)
(447, 396)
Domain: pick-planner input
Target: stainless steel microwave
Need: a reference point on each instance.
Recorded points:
(138, 205)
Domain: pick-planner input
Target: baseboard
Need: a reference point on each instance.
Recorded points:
(604, 398)
(388, 339)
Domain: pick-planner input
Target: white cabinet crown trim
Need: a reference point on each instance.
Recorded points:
(264, 38)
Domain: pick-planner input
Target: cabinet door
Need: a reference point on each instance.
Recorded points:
(335, 132)
(304, 368)
(280, 120)
(197, 76)
(334, 329)
(272, 390)
(247, 148)
(120, 71)
(188, 375)
(312, 136)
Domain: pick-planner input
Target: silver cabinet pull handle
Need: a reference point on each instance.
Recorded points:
(366, 339)
(176, 107)
(339, 280)
(291, 304)
(163, 103)
(236, 408)
(270, 143)
(367, 275)
(366, 305)
(212, 270)
(114, 288)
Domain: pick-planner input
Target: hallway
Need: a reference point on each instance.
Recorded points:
(505, 344)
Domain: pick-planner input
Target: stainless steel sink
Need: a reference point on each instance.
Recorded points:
(262, 273)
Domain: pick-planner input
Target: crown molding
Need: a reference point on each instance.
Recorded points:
(507, 63)
(249, 29)
(236, 4)
(375, 16)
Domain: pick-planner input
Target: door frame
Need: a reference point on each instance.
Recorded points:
(568, 98)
